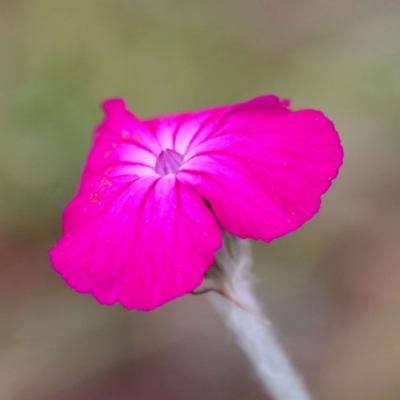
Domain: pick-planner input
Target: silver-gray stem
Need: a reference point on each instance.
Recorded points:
(253, 331)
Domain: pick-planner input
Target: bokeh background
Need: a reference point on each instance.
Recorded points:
(332, 288)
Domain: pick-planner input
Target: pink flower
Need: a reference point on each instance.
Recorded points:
(155, 195)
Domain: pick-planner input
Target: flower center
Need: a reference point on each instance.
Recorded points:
(168, 162)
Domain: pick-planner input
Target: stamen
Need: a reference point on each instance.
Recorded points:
(168, 162)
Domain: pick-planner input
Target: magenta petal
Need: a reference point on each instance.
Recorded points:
(139, 242)
(183, 132)
(264, 168)
(123, 145)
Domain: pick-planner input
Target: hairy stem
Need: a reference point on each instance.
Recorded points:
(243, 315)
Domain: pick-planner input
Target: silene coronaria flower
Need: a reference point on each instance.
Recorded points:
(156, 195)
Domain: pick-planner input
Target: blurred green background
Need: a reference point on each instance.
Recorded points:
(332, 288)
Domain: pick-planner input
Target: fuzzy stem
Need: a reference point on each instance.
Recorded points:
(253, 331)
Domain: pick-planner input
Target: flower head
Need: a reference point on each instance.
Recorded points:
(155, 195)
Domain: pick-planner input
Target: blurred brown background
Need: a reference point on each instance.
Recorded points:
(332, 288)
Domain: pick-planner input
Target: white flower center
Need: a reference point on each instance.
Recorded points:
(168, 162)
